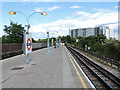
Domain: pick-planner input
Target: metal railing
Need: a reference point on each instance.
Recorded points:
(106, 59)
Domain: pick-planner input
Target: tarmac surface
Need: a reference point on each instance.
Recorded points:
(55, 69)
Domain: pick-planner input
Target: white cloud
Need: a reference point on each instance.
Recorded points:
(84, 20)
(82, 13)
(113, 26)
(53, 8)
(116, 6)
(60, 0)
(39, 9)
(101, 10)
(75, 7)
(1, 33)
(39, 0)
(26, 0)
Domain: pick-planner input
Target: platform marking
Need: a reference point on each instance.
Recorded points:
(11, 58)
(83, 83)
(82, 71)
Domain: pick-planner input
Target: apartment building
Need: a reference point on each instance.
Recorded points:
(85, 32)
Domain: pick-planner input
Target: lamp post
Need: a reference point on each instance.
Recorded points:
(48, 41)
(28, 25)
(27, 18)
(59, 41)
(52, 42)
(56, 40)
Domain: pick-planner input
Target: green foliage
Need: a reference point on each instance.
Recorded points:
(50, 40)
(39, 40)
(59, 37)
(98, 48)
(98, 44)
(34, 41)
(14, 33)
(73, 40)
(0, 39)
(43, 40)
(68, 39)
(113, 49)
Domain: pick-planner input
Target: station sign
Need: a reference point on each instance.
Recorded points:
(28, 43)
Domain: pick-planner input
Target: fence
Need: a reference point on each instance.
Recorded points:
(107, 60)
(38, 45)
(12, 49)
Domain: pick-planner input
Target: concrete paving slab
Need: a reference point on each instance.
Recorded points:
(45, 70)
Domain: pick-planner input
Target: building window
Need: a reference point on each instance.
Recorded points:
(71, 33)
(76, 33)
(84, 32)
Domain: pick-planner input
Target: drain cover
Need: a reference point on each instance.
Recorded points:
(17, 68)
(33, 64)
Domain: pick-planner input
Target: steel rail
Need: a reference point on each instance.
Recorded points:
(78, 55)
(96, 75)
(98, 68)
(117, 79)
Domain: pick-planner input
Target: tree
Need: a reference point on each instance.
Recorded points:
(14, 33)
(112, 49)
(0, 39)
(33, 40)
(90, 40)
(101, 38)
(73, 40)
(63, 39)
(80, 38)
(39, 40)
(68, 39)
(59, 37)
(43, 40)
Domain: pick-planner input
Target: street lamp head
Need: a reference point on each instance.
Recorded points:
(43, 13)
(12, 12)
(47, 33)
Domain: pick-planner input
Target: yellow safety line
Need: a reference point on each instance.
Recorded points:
(19, 55)
(10, 58)
(83, 83)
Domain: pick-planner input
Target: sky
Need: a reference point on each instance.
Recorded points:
(61, 16)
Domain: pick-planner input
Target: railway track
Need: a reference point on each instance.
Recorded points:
(101, 78)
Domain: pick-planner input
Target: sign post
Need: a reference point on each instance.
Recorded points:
(28, 45)
(86, 47)
(48, 41)
(56, 42)
(52, 42)
(59, 41)
(24, 40)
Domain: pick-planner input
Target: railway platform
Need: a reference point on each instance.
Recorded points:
(56, 69)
